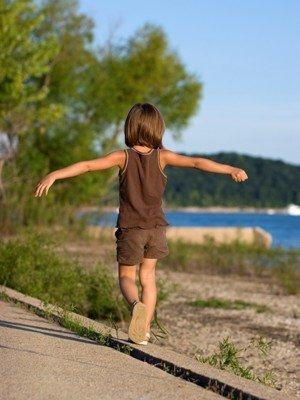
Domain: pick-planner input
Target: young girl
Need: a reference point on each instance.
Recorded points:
(141, 224)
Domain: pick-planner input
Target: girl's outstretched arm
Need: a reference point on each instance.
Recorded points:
(170, 158)
(115, 158)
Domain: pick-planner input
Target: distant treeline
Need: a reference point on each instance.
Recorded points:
(271, 183)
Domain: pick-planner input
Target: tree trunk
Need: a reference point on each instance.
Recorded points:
(2, 191)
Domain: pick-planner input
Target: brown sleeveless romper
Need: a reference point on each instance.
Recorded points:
(141, 222)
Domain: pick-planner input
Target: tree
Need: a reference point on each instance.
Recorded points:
(143, 69)
(23, 61)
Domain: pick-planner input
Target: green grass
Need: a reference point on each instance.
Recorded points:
(31, 265)
(277, 265)
(229, 357)
(214, 302)
(103, 338)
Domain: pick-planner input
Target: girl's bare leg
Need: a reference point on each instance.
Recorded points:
(148, 284)
(127, 276)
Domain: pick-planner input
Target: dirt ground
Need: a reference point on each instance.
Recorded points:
(199, 330)
(195, 330)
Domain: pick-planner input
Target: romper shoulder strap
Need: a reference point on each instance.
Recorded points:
(158, 162)
(121, 172)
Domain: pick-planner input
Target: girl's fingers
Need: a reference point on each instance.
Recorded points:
(37, 190)
(40, 191)
(238, 178)
(242, 177)
(44, 188)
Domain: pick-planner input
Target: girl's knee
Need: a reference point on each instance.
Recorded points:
(127, 271)
(147, 277)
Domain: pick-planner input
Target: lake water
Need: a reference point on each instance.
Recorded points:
(285, 229)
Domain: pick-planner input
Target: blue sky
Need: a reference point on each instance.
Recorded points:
(247, 55)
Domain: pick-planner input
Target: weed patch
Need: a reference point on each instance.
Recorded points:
(277, 264)
(229, 358)
(31, 265)
(214, 302)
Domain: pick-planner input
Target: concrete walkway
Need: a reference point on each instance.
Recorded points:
(41, 360)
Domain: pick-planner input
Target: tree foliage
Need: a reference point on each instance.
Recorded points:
(143, 69)
(23, 61)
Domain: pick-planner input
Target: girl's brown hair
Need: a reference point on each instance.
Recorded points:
(144, 126)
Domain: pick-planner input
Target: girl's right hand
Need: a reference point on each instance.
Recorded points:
(44, 185)
(238, 175)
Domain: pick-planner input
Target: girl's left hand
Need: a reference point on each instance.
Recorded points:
(238, 175)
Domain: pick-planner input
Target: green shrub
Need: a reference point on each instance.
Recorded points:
(279, 264)
(31, 265)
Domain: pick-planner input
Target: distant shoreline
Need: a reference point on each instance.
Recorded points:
(215, 209)
(228, 210)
